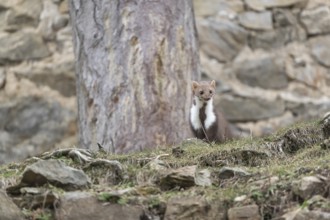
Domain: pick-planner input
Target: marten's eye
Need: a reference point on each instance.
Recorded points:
(211, 91)
(201, 92)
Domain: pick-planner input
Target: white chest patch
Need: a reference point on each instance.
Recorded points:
(194, 114)
(210, 116)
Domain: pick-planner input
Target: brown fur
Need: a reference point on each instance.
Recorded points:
(219, 131)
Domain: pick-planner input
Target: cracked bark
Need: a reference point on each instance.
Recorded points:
(134, 64)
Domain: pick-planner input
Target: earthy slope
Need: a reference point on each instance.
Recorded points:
(284, 176)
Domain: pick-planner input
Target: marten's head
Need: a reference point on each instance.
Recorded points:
(204, 91)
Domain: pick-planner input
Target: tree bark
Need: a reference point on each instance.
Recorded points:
(134, 63)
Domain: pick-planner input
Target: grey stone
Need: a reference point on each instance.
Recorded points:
(256, 21)
(64, 7)
(56, 173)
(263, 4)
(213, 7)
(266, 72)
(6, 4)
(284, 17)
(249, 212)
(320, 49)
(37, 197)
(3, 15)
(8, 209)
(31, 124)
(58, 73)
(238, 109)
(209, 8)
(230, 172)
(303, 214)
(185, 208)
(85, 206)
(22, 45)
(51, 21)
(28, 116)
(276, 38)
(306, 111)
(182, 177)
(26, 13)
(64, 83)
(222, 40)
(309, 186)
(113, 174)
(60, 22)
(316, 20)
(203, 178)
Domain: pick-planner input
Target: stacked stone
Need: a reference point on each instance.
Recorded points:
(271, 59)
(37, 81)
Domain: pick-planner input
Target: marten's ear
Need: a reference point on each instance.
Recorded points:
(213, 83)
(194, 85)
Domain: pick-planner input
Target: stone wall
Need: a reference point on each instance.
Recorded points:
(271, 59)
(37, 81)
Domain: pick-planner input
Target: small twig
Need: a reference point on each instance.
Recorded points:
(207, 138)
(162, 155)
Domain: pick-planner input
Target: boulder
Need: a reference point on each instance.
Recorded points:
(57, 72)
(203, 178)
(31, 124)
(51, 20)
(56, 173)
(5, 4)
(303, 214)
(192, 207)
(26, 13)
(249, 212)
(301, 67)
(8, 209)
(22, 45)
(265, 71)
(209, 8)
(64, 7)
(239, 109)
(256, 21)
(85, 206)
(309, 186)
(319, 49)
(283, 17)
(214, 7)
(182, 177)
(316, 20)
(222, 40)
(277, 38)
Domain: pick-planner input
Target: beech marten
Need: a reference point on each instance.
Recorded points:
(207, 123)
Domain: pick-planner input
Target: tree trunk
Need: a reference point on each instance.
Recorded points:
(134, 64)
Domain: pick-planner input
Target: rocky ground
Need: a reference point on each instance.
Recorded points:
(283, 176)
